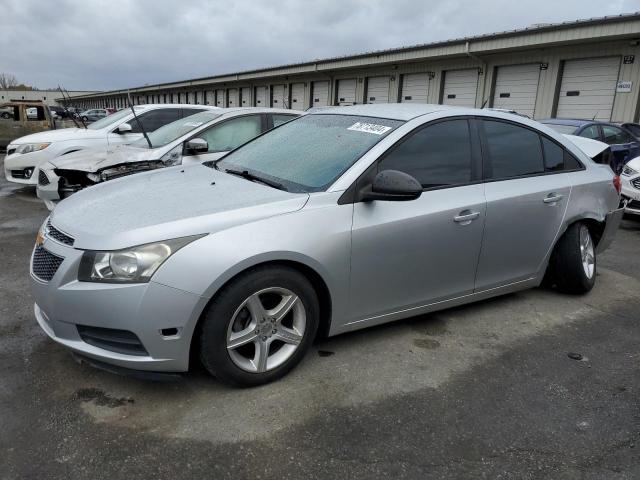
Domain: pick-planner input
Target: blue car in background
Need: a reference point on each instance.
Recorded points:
(624, 144)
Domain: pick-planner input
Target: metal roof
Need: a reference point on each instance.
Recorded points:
(439, 46)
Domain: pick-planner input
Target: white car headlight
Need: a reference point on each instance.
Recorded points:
(31, 147)
(172, 157)
(627, 171)
(131, 265)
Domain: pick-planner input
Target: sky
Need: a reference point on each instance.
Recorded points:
(105, 45)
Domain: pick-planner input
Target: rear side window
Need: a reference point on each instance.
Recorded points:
(557, 158)
(437, 155)
(615, 135)
(155, 119)
(511, 150)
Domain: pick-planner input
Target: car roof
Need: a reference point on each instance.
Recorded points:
(393, 111)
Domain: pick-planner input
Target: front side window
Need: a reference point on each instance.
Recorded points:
(591, 132)
(174, 130)
(511, 150)
(232, 133)
(437, 155)
(614, 135)
(309, 153)
(154, 119)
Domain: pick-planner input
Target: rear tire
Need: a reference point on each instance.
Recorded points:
(259, 326)
(573, 262)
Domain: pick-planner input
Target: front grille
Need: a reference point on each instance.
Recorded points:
(57, 235)
(635, 204)
(42, 178)
(636, 183)
(119, 341)
(45, 264)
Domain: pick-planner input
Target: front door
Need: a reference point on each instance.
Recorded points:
(408, 254)
(527, 195)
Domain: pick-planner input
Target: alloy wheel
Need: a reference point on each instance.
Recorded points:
(587, 253)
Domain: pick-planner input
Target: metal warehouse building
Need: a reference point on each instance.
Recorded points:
(584, 69)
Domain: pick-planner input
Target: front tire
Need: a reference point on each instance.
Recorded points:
(573, 262)
(259, 326)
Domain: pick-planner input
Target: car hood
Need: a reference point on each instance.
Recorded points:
(634, 163)
(167, 203)
(590, 147)
(91, 160)
(60, 135)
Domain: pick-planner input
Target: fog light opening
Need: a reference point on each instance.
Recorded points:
(170, 332)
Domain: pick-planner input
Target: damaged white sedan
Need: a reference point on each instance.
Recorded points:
(201, 137)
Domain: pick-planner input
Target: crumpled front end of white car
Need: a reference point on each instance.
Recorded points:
(631, 186)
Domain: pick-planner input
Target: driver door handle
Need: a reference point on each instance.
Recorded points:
(552, 198)
(466, 217)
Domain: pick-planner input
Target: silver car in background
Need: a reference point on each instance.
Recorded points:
(201, 137)
(338, 220)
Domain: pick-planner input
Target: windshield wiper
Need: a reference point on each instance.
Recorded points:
(255, 178)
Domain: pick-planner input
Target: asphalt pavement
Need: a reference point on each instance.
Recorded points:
(488, 390)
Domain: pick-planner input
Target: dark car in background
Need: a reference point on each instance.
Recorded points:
(625, 144)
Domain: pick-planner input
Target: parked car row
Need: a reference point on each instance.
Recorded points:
(333, 221)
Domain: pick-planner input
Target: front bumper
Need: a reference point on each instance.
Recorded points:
(632, 194)
(17, 162)
(148, 310)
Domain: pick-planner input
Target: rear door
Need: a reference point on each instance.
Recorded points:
(409, 254)
(226, 135)
(526, 202)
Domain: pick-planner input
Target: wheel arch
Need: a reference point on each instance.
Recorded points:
(317, 281)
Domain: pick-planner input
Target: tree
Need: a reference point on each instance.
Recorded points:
(8, 81)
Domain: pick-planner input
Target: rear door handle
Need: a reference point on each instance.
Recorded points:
(466, 217)
(552, 198)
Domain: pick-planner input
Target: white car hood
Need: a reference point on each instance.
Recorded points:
(60, 135)
(589, 146)
(634, 163)
(167, 203)
(91, 160)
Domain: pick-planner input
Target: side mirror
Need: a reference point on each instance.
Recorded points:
(394, 186)
(196, 145)
(124, 128)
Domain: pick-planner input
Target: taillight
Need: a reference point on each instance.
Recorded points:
(617, 183)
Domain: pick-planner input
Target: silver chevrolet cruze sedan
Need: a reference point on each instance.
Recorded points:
(338, 220)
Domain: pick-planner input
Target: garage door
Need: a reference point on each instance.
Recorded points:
(219, 98)
(245, 97)
(261, 96)
(297, 96)
(347, 91)
(377, 90)
(415, 88)
(319, 94)
(516, 88)
(232, 97)
(460, 87)
(588, 88)
(277, 99)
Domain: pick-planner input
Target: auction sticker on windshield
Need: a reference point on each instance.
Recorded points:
(369, 128)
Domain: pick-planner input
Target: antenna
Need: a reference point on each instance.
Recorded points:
(133, 110)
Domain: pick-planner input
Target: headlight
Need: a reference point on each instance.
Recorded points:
(172, 157)
(31, 147)
(131, 265)
(627, 171)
